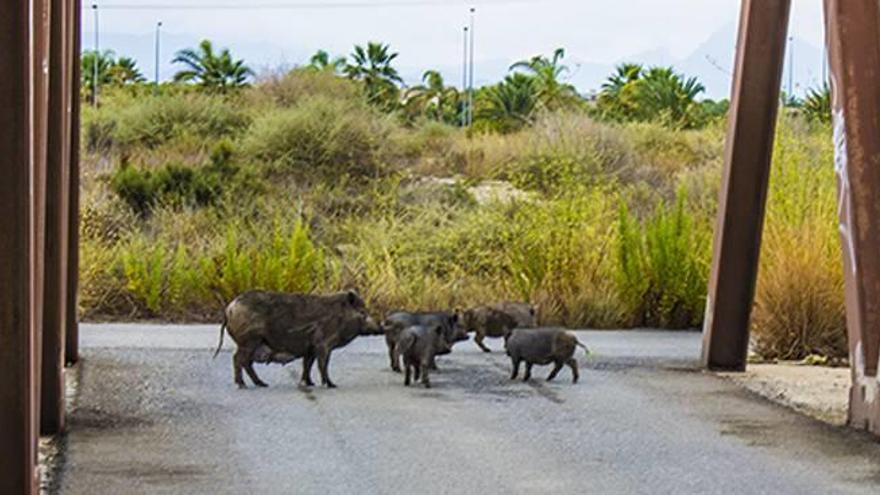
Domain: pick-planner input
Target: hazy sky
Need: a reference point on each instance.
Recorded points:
(427, 33)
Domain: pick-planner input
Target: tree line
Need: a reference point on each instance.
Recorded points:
(633, 93)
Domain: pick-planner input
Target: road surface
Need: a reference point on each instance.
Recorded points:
(155, 414)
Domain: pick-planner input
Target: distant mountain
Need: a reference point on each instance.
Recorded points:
(711, 61)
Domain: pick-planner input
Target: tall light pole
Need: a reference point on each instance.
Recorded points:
(471, 72)
(464, 80)
(96, 59)
(791, 67)
(158, 26)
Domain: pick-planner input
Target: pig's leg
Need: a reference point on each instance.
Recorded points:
(323, 364)
(237, 365)
(245, 355)
(426, 365)
(556, 367)
(479, 341)
(573, 364)
(528, 374)
(249, 368)
(393, 353)
(306, 378)
(408, 367)
(515, 362)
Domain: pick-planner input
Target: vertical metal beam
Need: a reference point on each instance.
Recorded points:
(747, 155)
(71, 353)
(57, 218)
(853, 41)
(21, 25)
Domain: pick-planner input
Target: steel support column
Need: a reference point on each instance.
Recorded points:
(57, 218)
(71, 353)
(22, 36)
(853, 41)
(747, 155)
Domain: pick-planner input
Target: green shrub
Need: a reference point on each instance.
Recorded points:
(301, 85)
(663, 266)
(282, 257)
(320, 138)
(178, 185)
(152, 121)
(564, 151)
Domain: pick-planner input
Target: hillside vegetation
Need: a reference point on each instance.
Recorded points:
(332, 176)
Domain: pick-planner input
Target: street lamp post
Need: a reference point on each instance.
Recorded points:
(464, 80)
(791, 68)
(96, 60)
(158, 27)
(471, 72)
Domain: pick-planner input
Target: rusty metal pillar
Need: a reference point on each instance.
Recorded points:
(22, 36)
(752, 122)
(853, 39)
(71, 352)
(55, 254)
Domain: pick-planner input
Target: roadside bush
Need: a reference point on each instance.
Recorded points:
(663, 266)
(320, 138)
(567, 150)
(152, 121)
(300, 85)
(799, 304)
(178, 185)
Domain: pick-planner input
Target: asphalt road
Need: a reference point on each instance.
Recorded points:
(155, 414)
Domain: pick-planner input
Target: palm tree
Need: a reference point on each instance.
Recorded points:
(433, 98)
(669, 95)
(510, 104)
(104, 60)
(372, 66)
(124, 71)
(817, 104)
(623, 75)
(211, 70)
(321, 61)
(552, 93)
(634, 93)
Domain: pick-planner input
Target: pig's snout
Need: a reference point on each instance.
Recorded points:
(372, 328)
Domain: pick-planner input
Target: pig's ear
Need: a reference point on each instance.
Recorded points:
(352, 297)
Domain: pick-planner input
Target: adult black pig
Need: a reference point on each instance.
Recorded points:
(278, 327)
(543, 346)
(418, 345)
(397, 321)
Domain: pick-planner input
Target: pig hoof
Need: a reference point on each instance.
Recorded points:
(331, 385)
(261, 384)
(241, 386)
(427, 385)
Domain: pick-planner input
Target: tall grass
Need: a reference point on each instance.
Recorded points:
(663, 264)
(799, 308)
